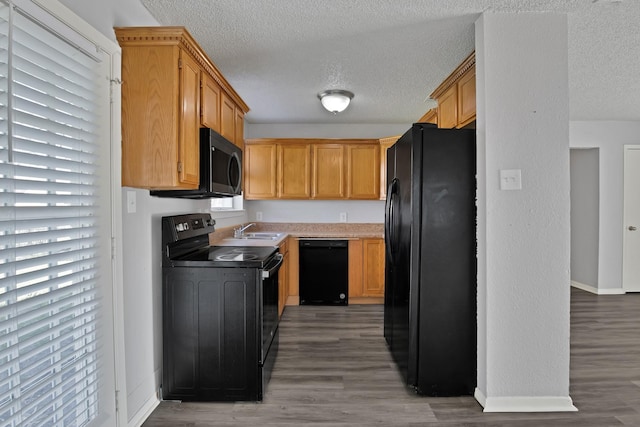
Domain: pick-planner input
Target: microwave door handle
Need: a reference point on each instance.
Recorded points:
(234, 160)
(270, 270)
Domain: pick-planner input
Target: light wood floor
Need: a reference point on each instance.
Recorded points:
(334, 369)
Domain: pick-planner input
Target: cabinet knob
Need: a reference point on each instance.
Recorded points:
(632, 228)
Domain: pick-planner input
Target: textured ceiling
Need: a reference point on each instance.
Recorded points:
(392, 53)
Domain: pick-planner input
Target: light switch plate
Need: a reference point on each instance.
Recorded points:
(131, 202)
(343, 217)
(258, 216)
(510, 179)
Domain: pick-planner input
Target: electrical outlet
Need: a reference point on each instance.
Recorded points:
(510, 179)
(343, 217)
(258, 216)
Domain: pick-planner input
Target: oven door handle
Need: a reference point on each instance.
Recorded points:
(269, 270)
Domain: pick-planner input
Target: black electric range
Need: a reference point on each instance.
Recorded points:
(220, 314)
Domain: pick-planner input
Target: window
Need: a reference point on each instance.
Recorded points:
(234, 203)
(52, 213)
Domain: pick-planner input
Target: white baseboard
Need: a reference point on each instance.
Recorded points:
(144, 412)
(525, 403)
(597, 291)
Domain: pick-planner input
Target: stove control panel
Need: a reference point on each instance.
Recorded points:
(185, 226)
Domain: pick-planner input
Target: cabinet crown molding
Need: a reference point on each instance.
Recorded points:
(465, 66)
(177, 36)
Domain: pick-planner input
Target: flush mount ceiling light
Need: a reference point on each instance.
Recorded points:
(335, 100)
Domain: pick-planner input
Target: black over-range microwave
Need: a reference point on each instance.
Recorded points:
(220, 169)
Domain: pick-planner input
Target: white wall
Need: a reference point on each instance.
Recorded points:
(338, 130)
(609, 137)
(523, 236)
(585, 209)
(324, 211)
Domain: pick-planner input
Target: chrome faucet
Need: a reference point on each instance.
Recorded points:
(239, 232)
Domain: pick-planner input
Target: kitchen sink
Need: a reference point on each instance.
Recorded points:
(264, 235)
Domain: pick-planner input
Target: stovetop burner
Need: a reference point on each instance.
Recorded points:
(236, 257)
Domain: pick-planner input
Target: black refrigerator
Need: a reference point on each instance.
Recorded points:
(430, 271)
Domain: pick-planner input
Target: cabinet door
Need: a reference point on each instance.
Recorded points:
(373, 267)
(283, 277)
(294, 171)
(328, 171)
(467, 98)
(210, 103)
(227, 117)
(239, 127)
(260, 171)
(385, 143)
(189, 141)
(363, 171)
(355, 269)
(448, 109)
(150, 117)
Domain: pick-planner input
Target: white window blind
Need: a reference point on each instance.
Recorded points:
(49, 262)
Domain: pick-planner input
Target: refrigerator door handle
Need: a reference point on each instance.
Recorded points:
(390, 227)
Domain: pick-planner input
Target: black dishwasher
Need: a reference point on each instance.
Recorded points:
(324, 272)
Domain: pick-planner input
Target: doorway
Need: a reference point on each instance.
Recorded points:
(631, 220)
(585, 217)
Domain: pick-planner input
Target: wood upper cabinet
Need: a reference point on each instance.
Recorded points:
(363, 171)
(467, 97)
(170, 88)
(227, 118)
(448, 108)
(328, 173)
(456, 96)
(260, 171)
(189, 140)
(315, 169)
(385, 143)
(158, 107)
(294, 166)
(210, 103)
(239, 127)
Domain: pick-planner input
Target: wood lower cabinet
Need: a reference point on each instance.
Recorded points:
(373, 267)
(283, 276)
(366, 271)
